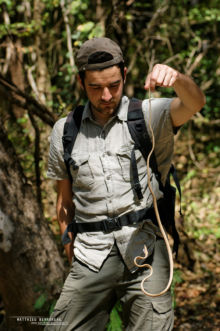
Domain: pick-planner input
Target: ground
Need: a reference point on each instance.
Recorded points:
(197, 289)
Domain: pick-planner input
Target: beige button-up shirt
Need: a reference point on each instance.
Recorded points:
(102, 185)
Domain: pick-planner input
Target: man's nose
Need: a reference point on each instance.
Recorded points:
(106, 95)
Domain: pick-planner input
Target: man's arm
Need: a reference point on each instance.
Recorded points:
(190, 99)
(65, 211)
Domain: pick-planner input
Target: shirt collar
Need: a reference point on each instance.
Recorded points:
(87, 112)
(121, 113)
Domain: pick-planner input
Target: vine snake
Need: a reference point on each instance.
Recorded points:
(158, 220)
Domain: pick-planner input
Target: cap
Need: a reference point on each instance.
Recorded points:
(88, 50)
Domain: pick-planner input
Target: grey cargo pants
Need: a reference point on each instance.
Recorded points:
(88, 297)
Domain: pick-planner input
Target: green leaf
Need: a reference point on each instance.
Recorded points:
(96, 32)
(217, 233)
(40, 301)
(115, 323)
(52, 307)
(86, 27)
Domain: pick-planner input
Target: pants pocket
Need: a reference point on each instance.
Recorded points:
(62, 304)
(162, 314)
(58, 318)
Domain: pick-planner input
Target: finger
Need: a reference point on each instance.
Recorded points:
(151, 78)
(167, 79)
(173, 78)
(147, 82)
(161, 77)
(154, 76)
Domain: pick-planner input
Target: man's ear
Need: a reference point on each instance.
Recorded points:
(80, 82)
(125, 73)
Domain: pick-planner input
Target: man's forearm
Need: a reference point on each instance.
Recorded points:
(65, 211)
(190, 98)
(65, 216)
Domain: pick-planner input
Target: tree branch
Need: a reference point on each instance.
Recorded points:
(8, 41)
(148, 31)
(32, 81)
(26, 101)
(69, 39)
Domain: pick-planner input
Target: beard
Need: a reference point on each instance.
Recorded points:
(106, 108)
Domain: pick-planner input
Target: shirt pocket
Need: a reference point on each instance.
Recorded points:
(141, 165)
(81, 171)
(124, 160)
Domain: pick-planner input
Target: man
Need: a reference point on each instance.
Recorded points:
(103, 269)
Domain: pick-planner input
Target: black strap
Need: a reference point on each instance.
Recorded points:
(70, 132)
(139, 133)
(113, 224)
(173, 172)
(136, 182)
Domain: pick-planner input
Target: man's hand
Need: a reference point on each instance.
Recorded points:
(190, 99)
(65, 211)
(161, 75)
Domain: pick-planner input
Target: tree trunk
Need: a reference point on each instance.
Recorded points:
(43, 78)
(17, 75)
(30, 264)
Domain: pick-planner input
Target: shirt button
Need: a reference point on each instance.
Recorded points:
(108, 177)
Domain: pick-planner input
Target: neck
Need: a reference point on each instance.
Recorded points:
(99, 117)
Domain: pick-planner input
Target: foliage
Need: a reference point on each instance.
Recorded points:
(198, 263)
(201, 176)
(40, 301)
(177, 279)
(115, 323)
(185, 37)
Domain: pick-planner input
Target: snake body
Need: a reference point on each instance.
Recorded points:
(159, 223)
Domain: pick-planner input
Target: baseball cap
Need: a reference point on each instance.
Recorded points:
(88, 51)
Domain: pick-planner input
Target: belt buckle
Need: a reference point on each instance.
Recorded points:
(112, 224)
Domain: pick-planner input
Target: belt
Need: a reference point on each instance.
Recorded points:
(109, 225)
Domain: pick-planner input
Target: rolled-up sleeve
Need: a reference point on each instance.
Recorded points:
(56, 166)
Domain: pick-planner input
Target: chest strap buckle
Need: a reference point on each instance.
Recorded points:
(112, 224)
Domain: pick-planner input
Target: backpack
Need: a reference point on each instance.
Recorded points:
(137, 128)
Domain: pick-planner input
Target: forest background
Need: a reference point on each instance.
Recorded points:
(38, 85)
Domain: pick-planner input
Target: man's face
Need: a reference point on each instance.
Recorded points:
(104, 90)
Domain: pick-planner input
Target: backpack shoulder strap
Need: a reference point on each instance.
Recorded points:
(70, 131)
(173, 172)
(139, 133)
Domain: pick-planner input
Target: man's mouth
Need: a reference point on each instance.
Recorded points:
(107, 103)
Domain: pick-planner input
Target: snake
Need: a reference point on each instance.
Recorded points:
(155, 205)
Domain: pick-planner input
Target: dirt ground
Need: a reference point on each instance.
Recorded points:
(197, 294)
